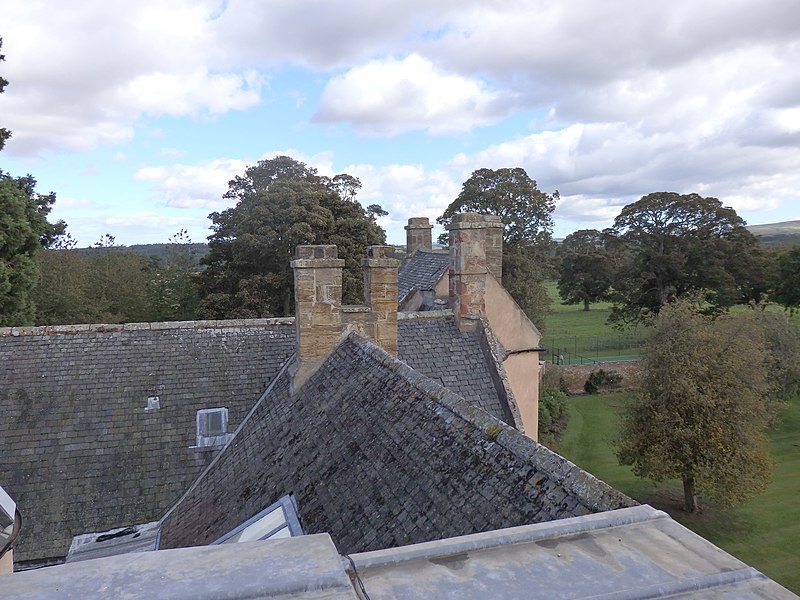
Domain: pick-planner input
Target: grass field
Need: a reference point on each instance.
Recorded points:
(582, 336)
(585, 336)
(764, 532)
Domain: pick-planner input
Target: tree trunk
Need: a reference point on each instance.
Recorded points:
(586, 305)
(689, 494)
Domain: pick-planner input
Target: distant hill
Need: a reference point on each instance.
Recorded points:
(774, 234)
(198, 249)
(160, 251)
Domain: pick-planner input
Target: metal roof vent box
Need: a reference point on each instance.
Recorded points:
(212, 428)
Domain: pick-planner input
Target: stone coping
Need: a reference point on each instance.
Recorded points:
(199, 324)
(425, 314)
(157, 326)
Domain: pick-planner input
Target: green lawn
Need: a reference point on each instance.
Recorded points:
(581, 335)
(764, 533)
(573, 320)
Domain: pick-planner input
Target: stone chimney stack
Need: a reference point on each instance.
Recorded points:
(418, 235)
(318, 305)
(494, 246)
(473, 243)
(321, 320)
(380, 293)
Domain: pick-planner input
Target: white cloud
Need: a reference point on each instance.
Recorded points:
(390, 96)
(81, 76)
(638, 97)
(171, 152)
(193, 186)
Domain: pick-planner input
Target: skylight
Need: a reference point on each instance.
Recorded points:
(278, 520)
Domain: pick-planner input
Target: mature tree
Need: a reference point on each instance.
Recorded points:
(701, 412)
(23, 229)
(782, 338)
(120, 289)
(526, 212)
(280, 204)
(786, 283)
(672, 246)
(174, 284)
(586, 268)
(62, 291)
(4, 133)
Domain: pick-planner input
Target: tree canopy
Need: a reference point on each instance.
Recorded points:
(4, 133)
(671, 246)
(23, 229)
(786, 285)
(281, 203)
(586, 268)
(526, 212)
(702, 409)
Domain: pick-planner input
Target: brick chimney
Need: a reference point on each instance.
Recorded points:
(418, 235)
(320, 318)
(475, 250)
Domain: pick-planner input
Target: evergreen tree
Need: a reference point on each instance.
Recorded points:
(281, 203)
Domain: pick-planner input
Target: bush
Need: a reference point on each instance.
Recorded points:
(601, 379)
(552, 415)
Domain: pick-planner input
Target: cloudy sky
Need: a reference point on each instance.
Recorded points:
(138, 113)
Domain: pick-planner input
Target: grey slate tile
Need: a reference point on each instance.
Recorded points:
(382, 458)
(422, 270)
(77, 450)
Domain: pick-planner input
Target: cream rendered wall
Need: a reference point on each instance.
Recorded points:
(7, 563)
(519, 337)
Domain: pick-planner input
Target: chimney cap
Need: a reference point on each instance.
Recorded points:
(380, 251)
(471, 220)
(419, 223)
(318, 251)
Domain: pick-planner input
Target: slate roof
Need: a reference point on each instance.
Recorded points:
(79, 453)
(422, 270)
(460, 361)
(378, 455)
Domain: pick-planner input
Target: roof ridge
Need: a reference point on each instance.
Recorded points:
(591, 490)
(34, 330)
(425, 314)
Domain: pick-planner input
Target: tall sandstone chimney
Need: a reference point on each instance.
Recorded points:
(380, 294)
(475, 250)
(418, 235)
(317, 306)
(320, 318)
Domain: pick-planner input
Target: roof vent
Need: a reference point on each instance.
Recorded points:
(153, 404)
(212, 427)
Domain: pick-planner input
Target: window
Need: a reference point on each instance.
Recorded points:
(279, 520)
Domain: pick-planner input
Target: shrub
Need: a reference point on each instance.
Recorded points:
(601, 379)
(552, 415)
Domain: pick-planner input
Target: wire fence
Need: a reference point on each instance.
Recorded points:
(589, 349)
